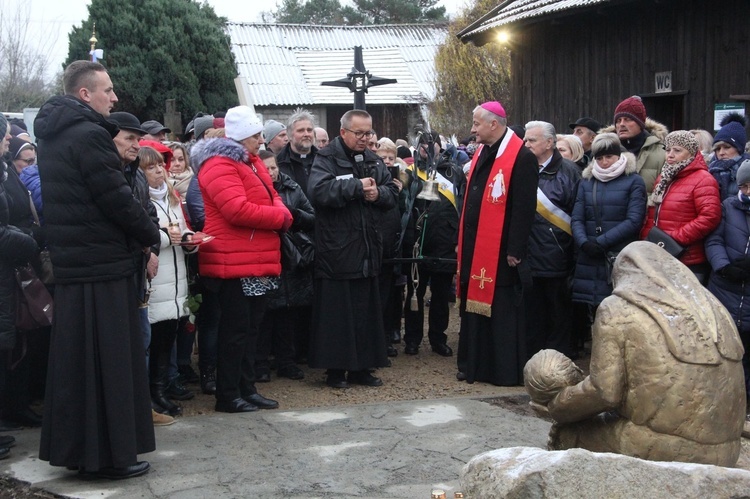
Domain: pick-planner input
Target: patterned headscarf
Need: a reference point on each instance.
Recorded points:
(681, 138)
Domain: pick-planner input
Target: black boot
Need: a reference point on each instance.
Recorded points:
(208, 380)
(158, 395)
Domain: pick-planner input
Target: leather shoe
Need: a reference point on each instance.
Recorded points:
(442, 349)
(261, 402)
(6, 441)
(131, 471)
(392, 352)
(337, 380)
(364, 378)
(177, 391)
(411, 349)
(233, 406)
(461, 376)
(291, 371)
(24, 417)
(4, 452)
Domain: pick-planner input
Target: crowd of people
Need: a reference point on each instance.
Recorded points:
(272, 245)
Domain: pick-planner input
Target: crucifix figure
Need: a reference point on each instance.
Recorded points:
(481, 278)
(359, 80)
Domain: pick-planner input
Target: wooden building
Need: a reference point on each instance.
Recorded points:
(573, 58)
(281, 67)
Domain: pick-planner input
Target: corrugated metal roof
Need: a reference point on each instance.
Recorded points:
(285, 63)
(520, 10)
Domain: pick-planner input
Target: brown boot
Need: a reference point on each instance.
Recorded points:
(161, 419)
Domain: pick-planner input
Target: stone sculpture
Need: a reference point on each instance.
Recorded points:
(666, 380)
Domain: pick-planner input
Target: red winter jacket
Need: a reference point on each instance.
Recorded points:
(241, 212)
(691, 210)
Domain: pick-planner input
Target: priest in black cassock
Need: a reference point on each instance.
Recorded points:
(499, 209)
(350, 188)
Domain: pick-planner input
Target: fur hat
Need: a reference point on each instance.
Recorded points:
(632, 108)
(272, 129)
(241, 122)
(743, 173)
(732, 132)
(682, 138)
(606, 143)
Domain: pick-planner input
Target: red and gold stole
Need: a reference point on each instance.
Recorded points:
(481, 287)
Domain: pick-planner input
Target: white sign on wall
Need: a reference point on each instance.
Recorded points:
(663, 82)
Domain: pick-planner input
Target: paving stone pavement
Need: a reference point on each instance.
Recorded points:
(401, 449)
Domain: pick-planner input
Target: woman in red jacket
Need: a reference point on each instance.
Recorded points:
(685, 202)
(242, 263)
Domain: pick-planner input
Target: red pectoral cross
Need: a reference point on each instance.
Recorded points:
(481, 278)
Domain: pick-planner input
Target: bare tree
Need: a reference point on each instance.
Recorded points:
(23, 61)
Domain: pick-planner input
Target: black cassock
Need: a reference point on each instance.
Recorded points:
(493, 349)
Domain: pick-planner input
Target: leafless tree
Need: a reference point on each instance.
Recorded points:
(23, 61)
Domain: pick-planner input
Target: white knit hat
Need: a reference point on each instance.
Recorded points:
(241, 122)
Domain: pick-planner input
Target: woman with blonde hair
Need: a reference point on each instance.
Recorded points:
(570, 147)
(169, 288)
(180, 172)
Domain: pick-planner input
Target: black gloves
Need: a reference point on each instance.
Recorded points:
(734, 273)
(594, 250)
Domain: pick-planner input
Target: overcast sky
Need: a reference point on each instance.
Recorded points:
(52, 20)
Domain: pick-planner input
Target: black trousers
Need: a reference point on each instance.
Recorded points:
(549, 315)
(163, 335)
(440, 288)
(238, 333)
(276, 334)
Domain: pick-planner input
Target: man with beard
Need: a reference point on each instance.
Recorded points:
(296, 158)
(97, 408)
(350, 189)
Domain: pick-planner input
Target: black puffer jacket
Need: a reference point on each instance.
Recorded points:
(16, 248)
(347, 237)
(95, 229)
(440, 221)
(295, 287)
(551, 248)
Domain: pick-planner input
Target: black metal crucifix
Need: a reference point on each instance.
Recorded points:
(359, 80)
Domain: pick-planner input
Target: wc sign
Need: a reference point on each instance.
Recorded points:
(663, 82)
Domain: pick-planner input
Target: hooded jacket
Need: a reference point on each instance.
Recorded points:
(96, 230)
(621, 205)
(650, 159)
(243, 212)
(690, 211)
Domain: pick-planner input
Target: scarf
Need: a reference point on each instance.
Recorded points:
(668, 173)
(158, 193)
(484, 264)
(743, 199)
(611, 173)
(634, 144)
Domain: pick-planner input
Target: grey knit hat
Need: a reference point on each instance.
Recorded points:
(201, 124)
(3, 126)
(271, 129)
(743, 173)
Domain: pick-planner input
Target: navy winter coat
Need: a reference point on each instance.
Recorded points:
(729, 242)
(550, 247)
(622, 208)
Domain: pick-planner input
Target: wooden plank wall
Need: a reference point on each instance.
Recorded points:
(585, 64)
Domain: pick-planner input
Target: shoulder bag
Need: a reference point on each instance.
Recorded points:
(662, 239)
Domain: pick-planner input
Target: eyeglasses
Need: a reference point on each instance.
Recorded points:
(29, 162)
(360, 135)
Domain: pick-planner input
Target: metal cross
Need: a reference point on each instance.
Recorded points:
(359, 80)
(481, 278)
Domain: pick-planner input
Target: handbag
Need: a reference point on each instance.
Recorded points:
(34, 305)
(45, 262)
(664, 240)
(297, 251)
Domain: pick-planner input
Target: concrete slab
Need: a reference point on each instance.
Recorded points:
(402, 449)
